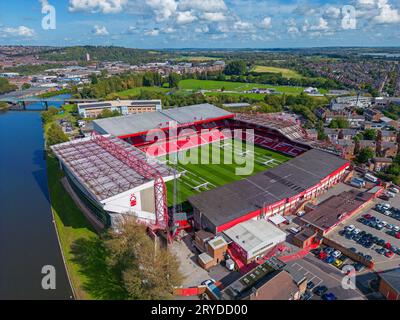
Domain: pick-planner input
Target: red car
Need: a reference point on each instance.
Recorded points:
(388, 245)
(389, 254)
(367, 216)
(322, 255)
(397, 235)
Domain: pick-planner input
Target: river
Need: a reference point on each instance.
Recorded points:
(28, 239)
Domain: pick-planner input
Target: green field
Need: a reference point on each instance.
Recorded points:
(191, 84)
(136, 91)
(196, 58)
(200, 177)
(286, 73)
(255, 96)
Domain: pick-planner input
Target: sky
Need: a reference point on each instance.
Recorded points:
(201, 23)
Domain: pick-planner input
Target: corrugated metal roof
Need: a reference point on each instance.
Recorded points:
(134, 123)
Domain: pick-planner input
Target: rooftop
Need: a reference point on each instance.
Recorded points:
(332, 210)
(117, 103)
(229, 202)
(392, 277)
(137, 123)
(253, 233)
(101, 172)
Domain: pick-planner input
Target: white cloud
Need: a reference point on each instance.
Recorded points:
(203, 5)
(293, 30)
(219, 36)
(266, 23)
(100, 30)
(386, 13)
(242, 26)
(203, 29)
(214, 16)
(152, 32)
(103, 6)
(169, 30)
(321, 26)
(131, 30)
(20, 31)
(163, 9)
(185, 17)
(332, 12)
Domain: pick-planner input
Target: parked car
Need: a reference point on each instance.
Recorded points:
(329, 297)
(338, 263)
(329, 259)
(396, 228)
(336, 254)
(208, 282)
(320, 290)
(358, 266)
(389, 254)
(329, 250)
(350, 228)
(310, 285)
(301, 213)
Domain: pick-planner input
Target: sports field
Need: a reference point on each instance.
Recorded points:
(200, 177)
(286, 73)
(192, 84)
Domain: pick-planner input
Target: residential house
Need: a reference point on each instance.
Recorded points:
(335, 134)
(379, 164)
(372, 115)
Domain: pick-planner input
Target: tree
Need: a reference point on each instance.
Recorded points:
(340, 123)
(238, 67)
(25, 86)
(55, 135)
(364, 155)
(173, 80)
(147, 270)
(370, 134)
(48, 115)
(93, 78)
(107, 113)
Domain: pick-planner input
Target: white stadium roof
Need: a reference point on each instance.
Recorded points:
(135, 123)
(99, 171)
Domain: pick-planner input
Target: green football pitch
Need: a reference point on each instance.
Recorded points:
(201, 173)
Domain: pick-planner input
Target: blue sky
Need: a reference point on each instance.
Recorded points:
(203, 23)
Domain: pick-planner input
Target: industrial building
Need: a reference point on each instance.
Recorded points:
(252, 239)
(278, 191)
(114, 179)
(124, 107)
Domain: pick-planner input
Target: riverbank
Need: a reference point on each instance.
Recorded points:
(83, 251)
(4, 106)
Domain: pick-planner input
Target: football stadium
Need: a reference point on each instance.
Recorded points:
(142, 160)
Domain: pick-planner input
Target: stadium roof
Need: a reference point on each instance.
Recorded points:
(135, 123)
(234, 200)
(99, 171)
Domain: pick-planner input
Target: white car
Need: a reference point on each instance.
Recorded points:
(384, 223)
(396, 228)
(390, 226)
(301, 213)
(390, 194)
(394, 190)
(386, 206)
(356, 231)
(350, 228)
(387, 213)
(336, 254)
(208, 282)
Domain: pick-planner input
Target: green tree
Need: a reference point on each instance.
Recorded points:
(25, 86)
(148, 271)
(339, 123)
(238, 67)
(364, 155)
(55, 135)
(370, 134)
(173, 80)
(48, 115)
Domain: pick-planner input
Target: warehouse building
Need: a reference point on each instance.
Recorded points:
(124, 107)
(113, 179)
(278, 191)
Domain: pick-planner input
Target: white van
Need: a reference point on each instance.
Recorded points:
(371, 178)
